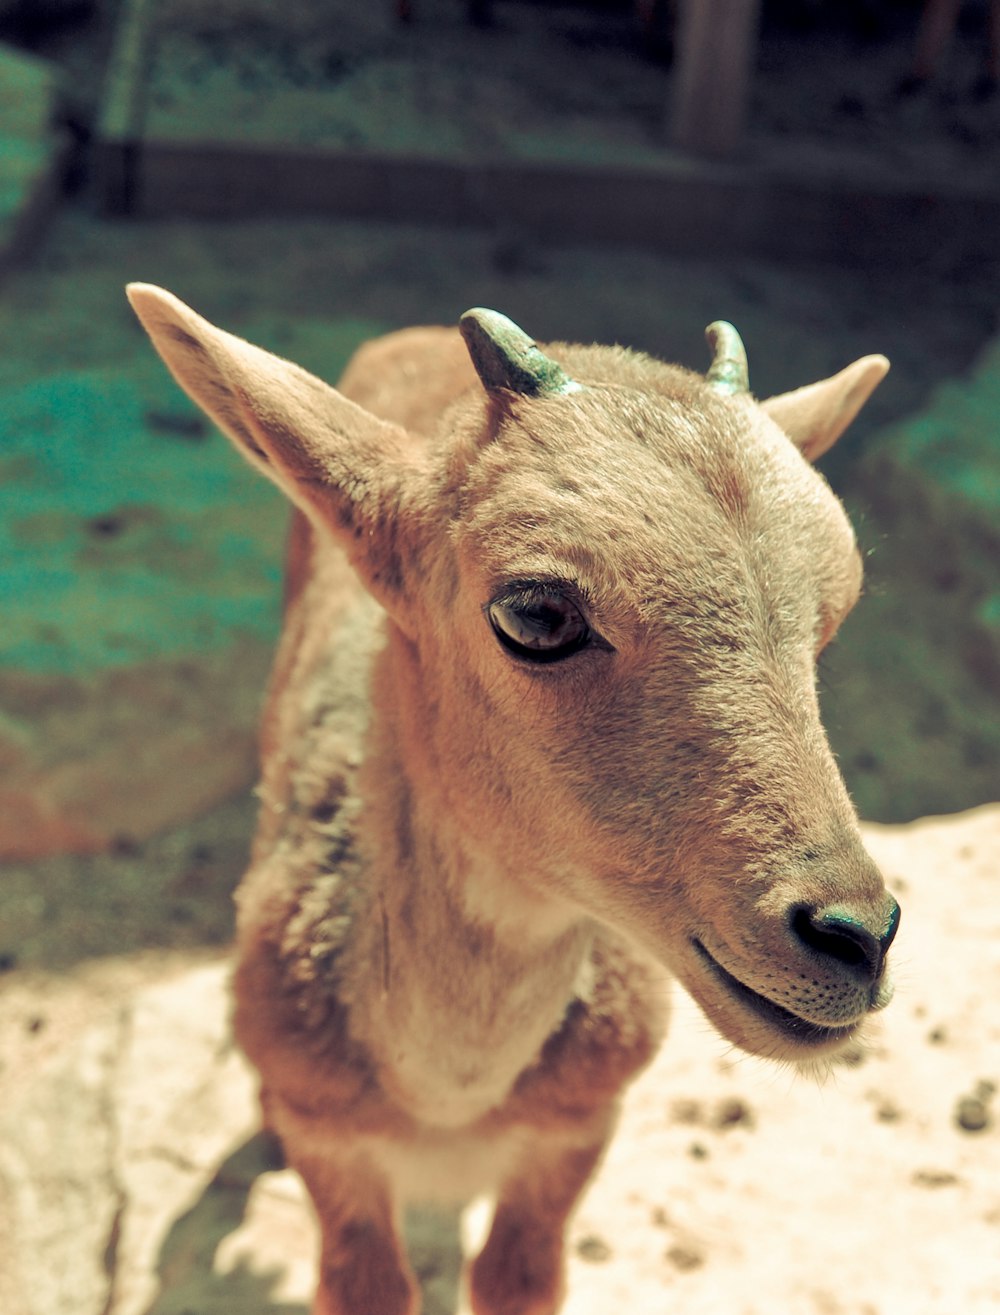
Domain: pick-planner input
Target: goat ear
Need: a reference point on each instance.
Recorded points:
(343, 466)
(815, 416)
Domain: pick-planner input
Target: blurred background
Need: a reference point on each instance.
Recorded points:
(312, 173)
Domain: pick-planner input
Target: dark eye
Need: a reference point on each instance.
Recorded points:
(539, 625)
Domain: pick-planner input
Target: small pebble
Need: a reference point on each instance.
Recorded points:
(593, 1248)
(686, 1111)
(934, 1178)
(684, 1258)
(732, 1112)
(972, 1114)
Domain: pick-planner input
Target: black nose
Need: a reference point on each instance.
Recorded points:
(846, 936)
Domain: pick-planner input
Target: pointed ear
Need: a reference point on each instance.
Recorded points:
(814, 417)
(343, 466)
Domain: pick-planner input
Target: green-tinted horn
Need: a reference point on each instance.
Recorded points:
(728, 372)
(506, 358)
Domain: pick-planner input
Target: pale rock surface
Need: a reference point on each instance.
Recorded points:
(132, 1182)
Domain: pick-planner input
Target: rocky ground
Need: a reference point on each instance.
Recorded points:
(132, 1182)
(140, 576)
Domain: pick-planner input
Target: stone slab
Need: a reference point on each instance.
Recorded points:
(103, 1152)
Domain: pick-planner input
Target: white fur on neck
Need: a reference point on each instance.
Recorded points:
(454, 1029)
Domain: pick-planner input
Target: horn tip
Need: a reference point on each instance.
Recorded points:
(728, 372)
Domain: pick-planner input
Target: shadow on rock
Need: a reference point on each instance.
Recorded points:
(190, 1281)
(189, 1284)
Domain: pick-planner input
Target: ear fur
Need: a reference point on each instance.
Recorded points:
(343, 466)
(815, 416)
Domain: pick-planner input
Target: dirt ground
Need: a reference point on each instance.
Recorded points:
(129, 1180)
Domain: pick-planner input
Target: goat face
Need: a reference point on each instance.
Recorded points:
(624, 619)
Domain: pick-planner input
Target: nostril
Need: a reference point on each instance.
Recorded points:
(891, 927)
(839, 935)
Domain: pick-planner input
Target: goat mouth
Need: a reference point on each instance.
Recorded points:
(793, 1027)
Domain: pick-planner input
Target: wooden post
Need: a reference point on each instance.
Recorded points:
(716, 49)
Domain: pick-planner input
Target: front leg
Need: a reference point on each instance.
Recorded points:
(521, 1269)
(362, 1264)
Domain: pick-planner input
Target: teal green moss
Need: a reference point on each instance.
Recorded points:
(123, 540)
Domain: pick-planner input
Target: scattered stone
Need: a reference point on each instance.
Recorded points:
(888, 1112)
(732, 1113)
(697, 1151)
(684, 1258)
(937, 1036)
(593, 1249)
(935, 1178)
(686, 1111)
(972, 1114)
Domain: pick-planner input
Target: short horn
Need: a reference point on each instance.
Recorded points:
(728, 372)
(506, 358)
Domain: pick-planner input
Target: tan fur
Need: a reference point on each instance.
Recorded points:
(472, 871)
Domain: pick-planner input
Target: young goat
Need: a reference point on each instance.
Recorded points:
(542, 725)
